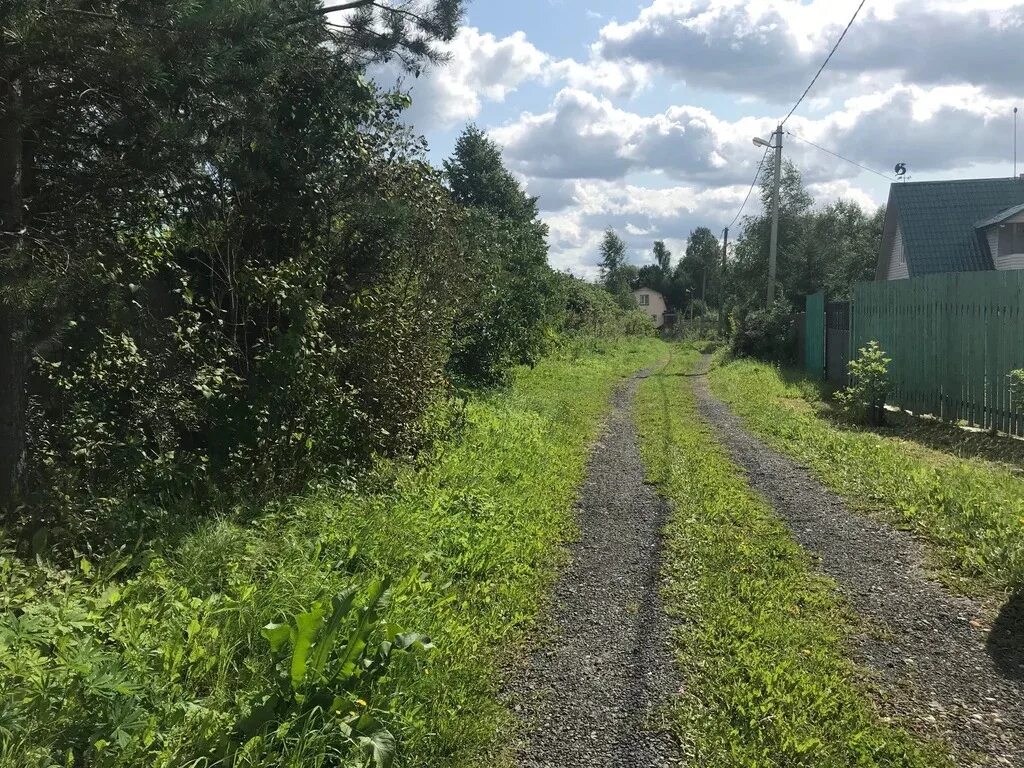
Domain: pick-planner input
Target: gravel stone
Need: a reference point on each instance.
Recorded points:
(929, 650)
(589, 697)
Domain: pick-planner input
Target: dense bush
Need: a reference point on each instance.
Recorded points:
(263, 334)
(279, 287)
(763, 333)
(590, 309)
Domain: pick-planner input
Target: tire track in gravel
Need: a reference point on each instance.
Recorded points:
(921, 645)
(588, 698)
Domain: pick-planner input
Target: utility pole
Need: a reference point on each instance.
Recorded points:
(773, 248)
(721, 282)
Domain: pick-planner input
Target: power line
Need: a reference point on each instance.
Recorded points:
(825, 63)
(757, 175)
(836, 154)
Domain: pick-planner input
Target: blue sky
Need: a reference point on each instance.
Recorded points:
(639, 115)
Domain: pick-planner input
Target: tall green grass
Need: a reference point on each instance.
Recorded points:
(154, 661)
(759, 636)
(972, 511)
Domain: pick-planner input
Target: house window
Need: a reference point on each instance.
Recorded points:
(1011, 239)
(643, 300)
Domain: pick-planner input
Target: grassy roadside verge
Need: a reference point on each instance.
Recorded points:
(156, 662)
(760, 637)
(971, 511)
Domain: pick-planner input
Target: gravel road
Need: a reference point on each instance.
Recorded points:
(926, 647)
(588, 697)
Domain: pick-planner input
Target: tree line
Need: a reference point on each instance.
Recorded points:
(226, 263)
(827, 248)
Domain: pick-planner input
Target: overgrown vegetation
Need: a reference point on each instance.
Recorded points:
(864, 399)
(228, 269)
(761, 637)
(970, 510)
(766, 334)
(247, 639)
(229, 277)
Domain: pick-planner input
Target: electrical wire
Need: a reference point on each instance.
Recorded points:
(799, 101)
(825, 63)
(757, 175)
(836, 154)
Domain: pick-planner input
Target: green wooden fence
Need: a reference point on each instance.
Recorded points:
(814, 335)
(953, 339)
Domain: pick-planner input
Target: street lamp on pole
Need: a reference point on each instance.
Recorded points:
(773, 247)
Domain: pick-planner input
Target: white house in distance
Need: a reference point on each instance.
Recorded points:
(652, 303)
(952, 226)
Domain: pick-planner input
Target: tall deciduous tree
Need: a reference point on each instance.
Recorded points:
(699, 267)
(663, 258)
(659, 274)
(615, 275)
(827, 249)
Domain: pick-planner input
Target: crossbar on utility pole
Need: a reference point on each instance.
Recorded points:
(773, 248)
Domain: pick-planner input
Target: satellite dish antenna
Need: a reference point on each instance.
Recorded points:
(901, 171)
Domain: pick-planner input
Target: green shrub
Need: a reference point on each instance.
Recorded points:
(864, 399)
(766, 334)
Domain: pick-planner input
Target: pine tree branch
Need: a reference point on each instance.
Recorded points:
(354, 4)
(110, 17)
(344, 7)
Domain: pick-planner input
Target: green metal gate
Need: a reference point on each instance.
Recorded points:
(814, 335)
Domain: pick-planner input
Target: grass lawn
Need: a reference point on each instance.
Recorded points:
(760, 636)
(156, 660)
(969, 509)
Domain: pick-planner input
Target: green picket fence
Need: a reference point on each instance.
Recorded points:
(953, 339)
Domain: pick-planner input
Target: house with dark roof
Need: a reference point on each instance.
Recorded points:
(952, 226)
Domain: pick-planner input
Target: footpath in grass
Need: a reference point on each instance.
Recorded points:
(971, 511)
(167, 660)
(760, 636)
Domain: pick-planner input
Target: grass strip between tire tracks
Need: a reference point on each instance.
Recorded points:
(760, 636)
(970, 510)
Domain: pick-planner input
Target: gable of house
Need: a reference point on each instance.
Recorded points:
(1004, 234)
(896, 268)
(936, 222)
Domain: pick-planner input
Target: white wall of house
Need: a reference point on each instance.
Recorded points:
(652, 304)
(1006, 242)
(897, 259)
